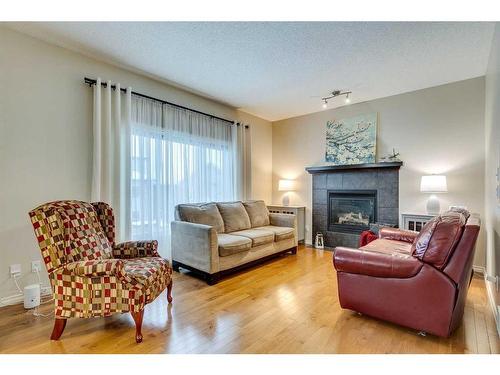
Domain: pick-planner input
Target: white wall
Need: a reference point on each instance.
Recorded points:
(437, 130)
(492, 145)
(46, 136)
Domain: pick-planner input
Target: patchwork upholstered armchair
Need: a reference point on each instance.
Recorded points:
(91, 276)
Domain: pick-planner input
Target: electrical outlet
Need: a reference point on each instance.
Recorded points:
(15, 270)
(36, 266)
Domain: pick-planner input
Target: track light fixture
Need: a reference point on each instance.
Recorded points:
(334, 94)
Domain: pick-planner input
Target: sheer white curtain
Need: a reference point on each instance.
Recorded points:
(111, 150)
(177, 156)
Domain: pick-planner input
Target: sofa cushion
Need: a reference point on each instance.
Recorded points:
(234, 215)
(204, 213)
(257, 212)
(146, 270)
(438, 238)
(388, 246)
(280, 233)
(257, 235)
(230, 244)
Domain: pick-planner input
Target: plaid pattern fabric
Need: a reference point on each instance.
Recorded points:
(86, 281)
(154, 273)
(70, 231)
(136, 249)
(84, 235)
(49, 232)
(100, 267)
(107, 220)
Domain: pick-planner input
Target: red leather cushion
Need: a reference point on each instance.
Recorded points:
(398, 234)
(382, 245)
(438, 238)
(379, 261)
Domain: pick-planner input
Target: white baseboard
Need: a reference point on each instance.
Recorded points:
(11, 300)
(19, 298)
(491, 301)
(479, 269)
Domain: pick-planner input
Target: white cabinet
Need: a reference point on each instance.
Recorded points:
(299, 212)
(415, 221)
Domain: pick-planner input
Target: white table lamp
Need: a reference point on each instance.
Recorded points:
(286, 186)
(433, 184)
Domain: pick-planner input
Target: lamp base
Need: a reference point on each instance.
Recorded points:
(433, 205)
(286, 200)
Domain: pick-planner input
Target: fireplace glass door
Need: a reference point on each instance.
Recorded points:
(351, 211)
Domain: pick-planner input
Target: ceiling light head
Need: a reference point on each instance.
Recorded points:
(334, 94)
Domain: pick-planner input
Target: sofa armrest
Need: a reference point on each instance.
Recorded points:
(195, 245)
(283, 220)
(398, 234)
(136, 249)
(377, 264)
(95, 268)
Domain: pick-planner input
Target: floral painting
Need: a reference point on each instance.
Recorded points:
(351, 141)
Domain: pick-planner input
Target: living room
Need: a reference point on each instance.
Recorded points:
(244, 188)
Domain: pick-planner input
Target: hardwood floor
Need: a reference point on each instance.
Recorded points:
(287, 305)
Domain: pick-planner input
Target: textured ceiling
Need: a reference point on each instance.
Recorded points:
(271, 69)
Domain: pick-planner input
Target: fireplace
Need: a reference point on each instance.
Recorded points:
(351, 211)
(347, 197)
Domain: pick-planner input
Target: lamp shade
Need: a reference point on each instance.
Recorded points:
(286, 185)
(433, 184)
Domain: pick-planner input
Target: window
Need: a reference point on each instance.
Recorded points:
(179, 157)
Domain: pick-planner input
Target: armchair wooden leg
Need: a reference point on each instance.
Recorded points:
(138, 324)
(59, 325)
(294, 250)
(169, 292)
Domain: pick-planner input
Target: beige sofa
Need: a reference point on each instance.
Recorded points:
(212, 239)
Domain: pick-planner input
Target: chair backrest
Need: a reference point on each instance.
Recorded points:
(107, 220)
(69, 231)
(438, 239)
(459, 266)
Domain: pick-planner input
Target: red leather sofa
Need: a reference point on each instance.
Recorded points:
(418, 280)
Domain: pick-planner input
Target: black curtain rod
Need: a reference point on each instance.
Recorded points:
(90, 82)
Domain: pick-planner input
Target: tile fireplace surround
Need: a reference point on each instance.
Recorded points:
(381, 177)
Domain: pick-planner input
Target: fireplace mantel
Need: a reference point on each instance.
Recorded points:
(343, 168)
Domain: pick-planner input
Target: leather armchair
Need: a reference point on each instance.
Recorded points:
(418, 280)
(90, 274)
